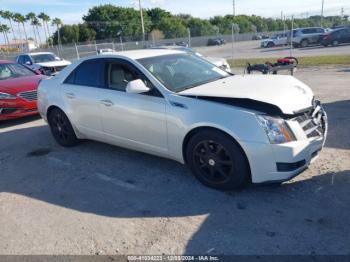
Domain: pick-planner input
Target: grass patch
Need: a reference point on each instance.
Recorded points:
(303, 61)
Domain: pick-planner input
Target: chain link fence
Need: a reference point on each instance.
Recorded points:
(75, 51)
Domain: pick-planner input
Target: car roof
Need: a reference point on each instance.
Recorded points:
(144, 53)
(38, 53)
(6, 62)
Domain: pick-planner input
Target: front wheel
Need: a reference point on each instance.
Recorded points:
(217, 161)
(304, 43)
(61, 128)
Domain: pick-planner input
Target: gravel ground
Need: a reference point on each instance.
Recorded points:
(101, 199)
(251, 49)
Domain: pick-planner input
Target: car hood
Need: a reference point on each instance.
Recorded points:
(54, 63)
(14, 86)
(285, 92)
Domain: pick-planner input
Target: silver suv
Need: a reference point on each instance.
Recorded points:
(303, 37)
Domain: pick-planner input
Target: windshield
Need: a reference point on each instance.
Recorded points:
(13, 71)
(44, 58)
(182, 71)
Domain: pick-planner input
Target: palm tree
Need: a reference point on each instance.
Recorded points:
(17, 18)
(30, 17)
(22, 20)
(8, 15)
(5, 29)
(57, 22)
(43, 16)
(36, 23)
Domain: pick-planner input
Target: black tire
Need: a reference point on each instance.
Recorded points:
(61, 128)
(335, 43)
(217, 161)
(304, 43)
(270, 44)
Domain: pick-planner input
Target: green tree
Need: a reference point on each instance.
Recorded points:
(8, 16)
(172, 27)
(86, 33)
(109, 21)
(68, 34)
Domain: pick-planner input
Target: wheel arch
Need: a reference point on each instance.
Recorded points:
(196, 130)
(49, 110)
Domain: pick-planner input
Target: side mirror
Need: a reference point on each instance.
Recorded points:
(28, 63)
(137, 87)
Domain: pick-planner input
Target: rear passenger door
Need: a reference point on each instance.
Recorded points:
(82, 94)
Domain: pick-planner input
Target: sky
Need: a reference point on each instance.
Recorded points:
(72, 11)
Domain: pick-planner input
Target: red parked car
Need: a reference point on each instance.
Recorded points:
(18, 90)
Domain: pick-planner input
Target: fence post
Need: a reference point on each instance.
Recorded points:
(121, 43)
(76, 49)
(96, 46)
(233, 40)
(153, 39)
(58, 51)
(291, 37)
(189, 37)
(113, 46)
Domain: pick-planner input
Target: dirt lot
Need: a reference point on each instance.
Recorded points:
(251, 49)
(100, 199)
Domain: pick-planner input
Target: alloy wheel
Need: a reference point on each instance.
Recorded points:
(213, 161)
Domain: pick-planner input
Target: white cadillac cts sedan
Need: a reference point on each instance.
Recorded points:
(229, 129)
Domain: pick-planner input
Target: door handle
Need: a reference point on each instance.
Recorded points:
(107, 102)
(70, 95)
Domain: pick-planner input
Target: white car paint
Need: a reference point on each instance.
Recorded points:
(159, 125)
(276, 90)
(52, 65)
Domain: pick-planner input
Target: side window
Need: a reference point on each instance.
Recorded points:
(20, 59)
(118, 76)
(26, 59)
(87, 73)
(118, 73)
(320, 30)
(306, 31)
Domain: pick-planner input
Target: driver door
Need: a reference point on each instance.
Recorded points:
(136, 121)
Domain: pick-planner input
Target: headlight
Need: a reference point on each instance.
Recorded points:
(276, 129)
(6, 96)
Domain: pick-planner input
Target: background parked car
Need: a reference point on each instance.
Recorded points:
(216, 41)
(219, 62)
(256, 37)
(275, 40)
(48, 63)
(336, 37)
(18, 90)
(303, 37)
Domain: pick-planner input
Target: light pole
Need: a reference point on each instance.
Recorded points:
(142, 23)
(322, 12)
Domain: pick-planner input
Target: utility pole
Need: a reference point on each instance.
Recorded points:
(142, 23)
(234, 8)
(322, 13)
(291, 37)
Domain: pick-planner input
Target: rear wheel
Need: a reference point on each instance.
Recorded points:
(217, 160)
(270, 44)
(61, 128)
(335, 43)
(304, 43)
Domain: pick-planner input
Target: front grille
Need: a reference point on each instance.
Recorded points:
(313, 122)
(29, 95)
(7, 111)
